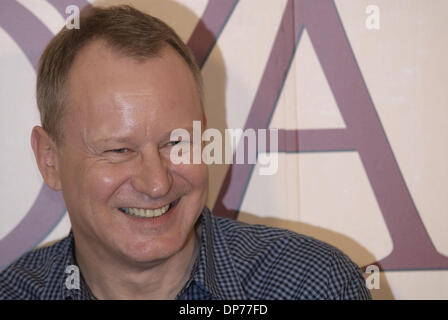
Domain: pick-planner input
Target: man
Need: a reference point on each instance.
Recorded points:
(109, 95)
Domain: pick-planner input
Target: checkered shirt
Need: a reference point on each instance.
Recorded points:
(235, 261)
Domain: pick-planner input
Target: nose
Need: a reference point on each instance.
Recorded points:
(152, 176)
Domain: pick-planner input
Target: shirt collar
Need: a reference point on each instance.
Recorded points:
(83, 293)
(214, 270)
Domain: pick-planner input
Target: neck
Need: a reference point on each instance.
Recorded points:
(109, 277)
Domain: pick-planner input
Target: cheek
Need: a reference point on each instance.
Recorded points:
(195, 174)
(102, 181)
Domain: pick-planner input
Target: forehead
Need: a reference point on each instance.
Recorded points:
(100, 69)
(105, 85)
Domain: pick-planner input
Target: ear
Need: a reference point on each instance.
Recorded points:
(45, 151)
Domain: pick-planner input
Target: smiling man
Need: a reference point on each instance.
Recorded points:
(109, 95)
(131, 210)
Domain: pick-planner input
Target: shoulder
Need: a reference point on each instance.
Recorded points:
(281, 264)
(30, 275)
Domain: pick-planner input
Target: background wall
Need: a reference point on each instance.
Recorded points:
(362, 116)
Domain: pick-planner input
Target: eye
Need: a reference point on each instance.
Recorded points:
(173, 143)
(121, 150)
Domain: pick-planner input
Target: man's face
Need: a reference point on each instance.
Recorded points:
(114, 160)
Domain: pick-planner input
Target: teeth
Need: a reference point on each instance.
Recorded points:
(146, 213)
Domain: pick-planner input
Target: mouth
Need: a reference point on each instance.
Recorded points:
(149, 213)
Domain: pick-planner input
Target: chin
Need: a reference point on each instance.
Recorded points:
(150, 251)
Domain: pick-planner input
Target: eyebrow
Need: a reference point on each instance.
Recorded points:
(110, 139)
(125, 138)
(189, 129)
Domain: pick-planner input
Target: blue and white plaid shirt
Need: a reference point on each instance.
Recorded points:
(235, 261)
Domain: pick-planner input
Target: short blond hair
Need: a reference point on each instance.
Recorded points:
(125, 29)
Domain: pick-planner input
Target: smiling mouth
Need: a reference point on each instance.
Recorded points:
(149, 213)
